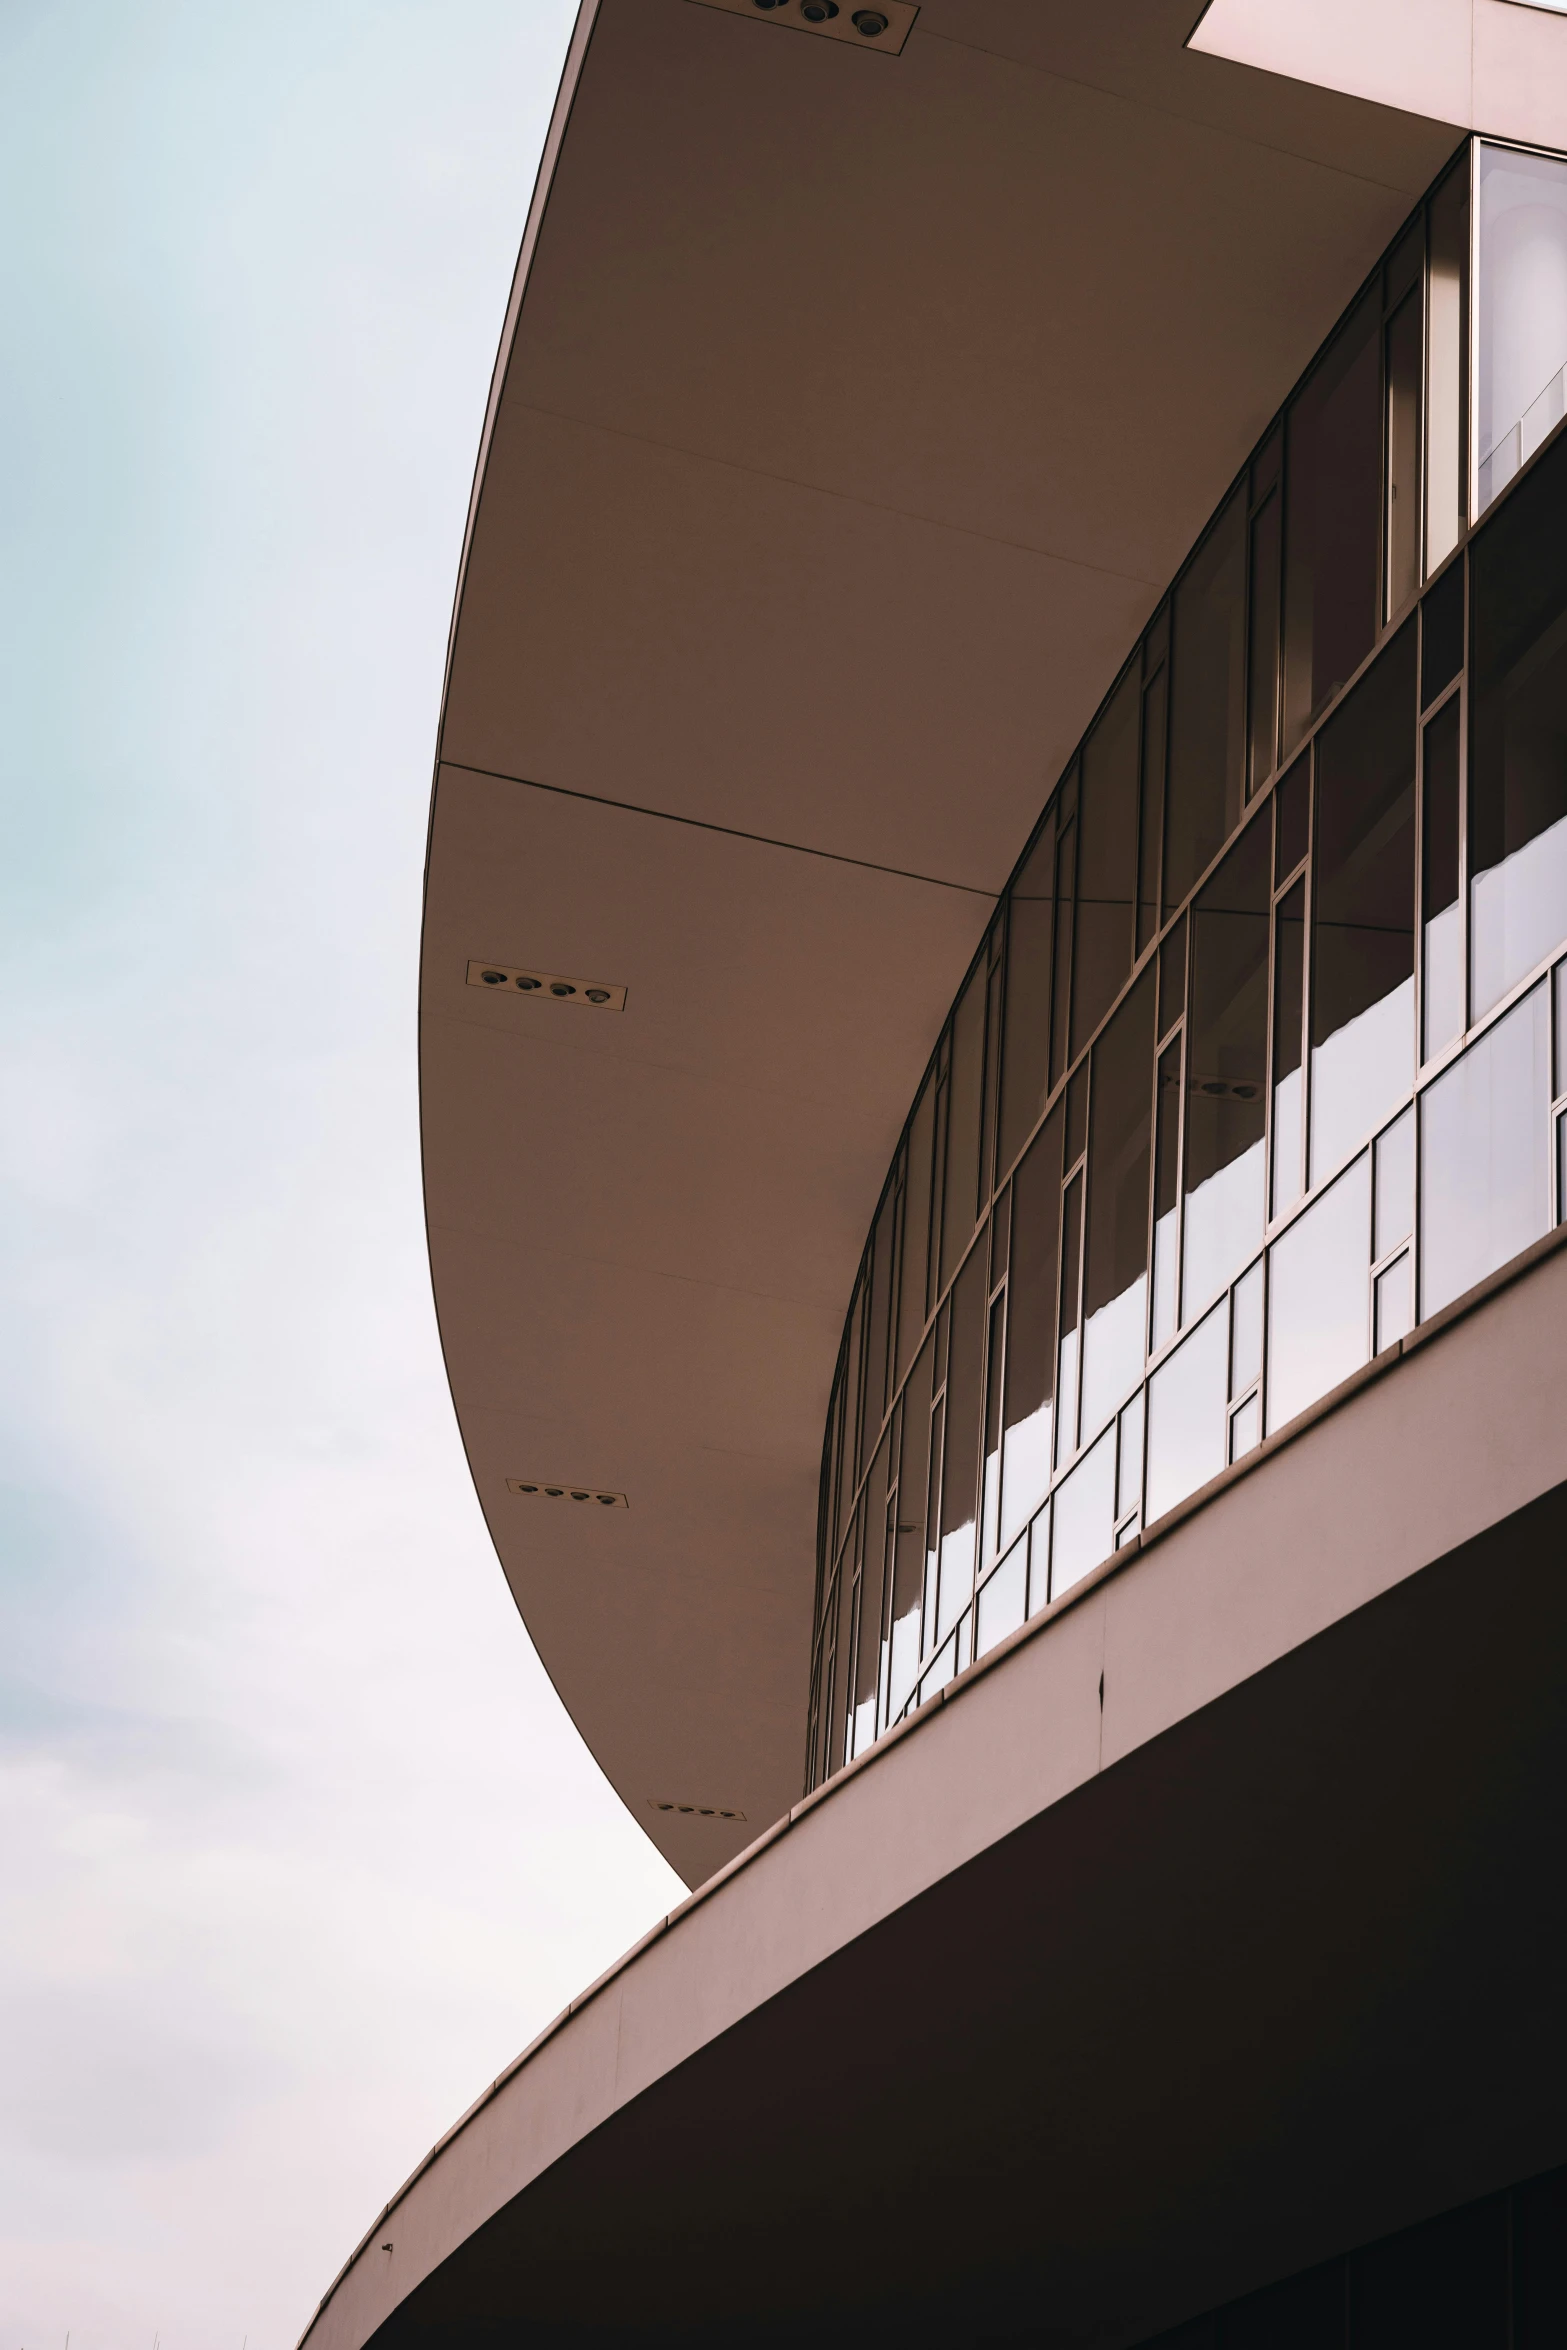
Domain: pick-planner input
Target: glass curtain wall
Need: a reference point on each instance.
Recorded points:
(1264, 1056)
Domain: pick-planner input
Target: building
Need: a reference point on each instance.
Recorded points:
(995, 1090)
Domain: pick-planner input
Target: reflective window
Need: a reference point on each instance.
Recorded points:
(1227, 1070)
(1442, 938)
(1187, 1396)
(1289, 1080)
(1318, 1296)
(1447, 365)
(1485, 1188)
(1084, 1508)
(908, 1577)
(1518, 782)
(1115, 1300)
(1027, 1421)
(1522, 372)
(960, 1468)
(1199, 1000)
(1363, 910)
(1003, 1603)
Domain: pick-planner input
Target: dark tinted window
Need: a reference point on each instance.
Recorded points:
(1031, 1329)
(1025, 1067)
(1518, 779)
(1106, 859)
(1363, 910)
(1116, 1264)
(1442, 639)
(1207, 704)
(965, 1095)
(1227, 1068)
(1331, 534)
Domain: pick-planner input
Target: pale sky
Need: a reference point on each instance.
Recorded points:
(297, 1847)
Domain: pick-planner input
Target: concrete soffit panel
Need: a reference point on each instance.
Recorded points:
(825, 482)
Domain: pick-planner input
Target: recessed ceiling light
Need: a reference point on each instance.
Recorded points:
(507, 979)
(698, 1811)
(552, 1489)
(883, 29)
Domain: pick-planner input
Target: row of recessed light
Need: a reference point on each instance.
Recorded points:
(701, 1811)
(537, 1486)
(596, 992)
(869, 23)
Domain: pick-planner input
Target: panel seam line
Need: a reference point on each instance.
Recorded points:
(763, 840)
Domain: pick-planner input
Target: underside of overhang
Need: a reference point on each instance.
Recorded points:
(855, 411)
(1276, 1984)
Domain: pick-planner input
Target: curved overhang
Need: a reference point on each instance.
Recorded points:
(1206, 1927)
(853, 412)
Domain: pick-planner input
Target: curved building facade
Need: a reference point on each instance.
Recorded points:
(1262, 1061)
(1107, 1691)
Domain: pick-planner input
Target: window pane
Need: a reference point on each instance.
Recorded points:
(1031, 1329)
(1186, 1415)
(1395, 1174)
(1246, 1332)
(1442, 940)
(1208, 704)
(1227, 1070)
(1363, 917)
(1106, 860)
(1442, 634)
(1084, 1510)
(1394, 1317)
(1289, 1097)
(1333, 479)
(990, 1471)
(1518, 782)
(914, 1271)
(909, 1557)
(1129, 1466)
(1061, 983)
(1402, 339)
(1025, 1067)
(1167, 1143)
(1522, 355)
(1484, 1168)
(1172, 978)
(1150, 830)
(960, 1197)
(1447, 366)
(1115, 1303)
(1292, 818)
(1318, 1278)
(1266, 592)
(1071, 1294)
(960, 1471)
(1004, 1600)
(876, 1331)
(868, 1649)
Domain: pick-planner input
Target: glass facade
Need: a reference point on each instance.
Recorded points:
(1263, 1058)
